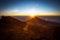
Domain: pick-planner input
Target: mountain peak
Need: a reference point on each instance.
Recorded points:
(10, 21)
(38, 21)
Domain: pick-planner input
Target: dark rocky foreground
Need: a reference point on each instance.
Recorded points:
(34, 29)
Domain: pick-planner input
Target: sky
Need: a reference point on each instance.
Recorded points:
(22, 6)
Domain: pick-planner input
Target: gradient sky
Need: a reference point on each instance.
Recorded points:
(10, 6)
(19, 6)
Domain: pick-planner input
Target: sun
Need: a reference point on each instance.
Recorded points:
(32, 12)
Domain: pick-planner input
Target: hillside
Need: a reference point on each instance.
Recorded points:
(34, 29)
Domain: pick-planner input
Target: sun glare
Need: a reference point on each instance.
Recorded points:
(32, 12)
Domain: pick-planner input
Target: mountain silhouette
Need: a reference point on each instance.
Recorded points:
(47, 28)
(44, 22)
(10, 27)
(34, 29)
